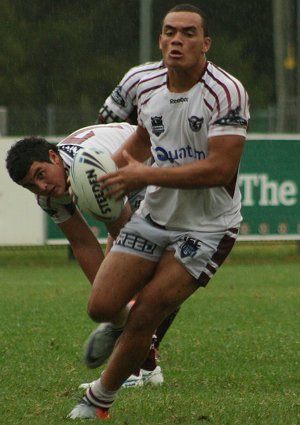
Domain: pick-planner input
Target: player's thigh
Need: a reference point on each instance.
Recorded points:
(169, 287)
(119, 278)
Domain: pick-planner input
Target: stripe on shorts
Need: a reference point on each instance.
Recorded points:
(224, 247)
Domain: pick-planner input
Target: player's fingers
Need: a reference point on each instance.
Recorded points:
(110, 181)
(103, 179)
(116, 192)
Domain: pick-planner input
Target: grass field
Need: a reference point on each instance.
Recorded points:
(231, 357)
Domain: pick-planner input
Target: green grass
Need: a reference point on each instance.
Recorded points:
(232, 356)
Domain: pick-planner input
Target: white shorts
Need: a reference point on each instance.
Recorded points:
(200, 253)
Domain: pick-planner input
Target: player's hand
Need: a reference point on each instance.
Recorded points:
(127, 179)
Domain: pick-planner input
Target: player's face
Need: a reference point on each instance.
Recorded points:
(182, 41)
(44, 178)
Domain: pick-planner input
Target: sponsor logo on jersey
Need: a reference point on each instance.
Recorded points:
(157, 125)
(70, 150)
(189, 247)
(232, 118)
(135, 242)
(178, 154)
(195, 123)
(179, 100)
(117, 96)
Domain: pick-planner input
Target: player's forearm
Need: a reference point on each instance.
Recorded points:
(190, 176)
(217, 169)
(89, 260)
(84, 244)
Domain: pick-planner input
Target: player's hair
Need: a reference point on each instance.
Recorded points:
(185, 7)
(23, 153)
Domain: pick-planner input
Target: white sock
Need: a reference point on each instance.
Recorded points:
(99, 396)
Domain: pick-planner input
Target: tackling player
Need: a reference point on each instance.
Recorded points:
(121, 104)
(43, 168)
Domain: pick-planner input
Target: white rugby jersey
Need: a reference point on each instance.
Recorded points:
(179, 125)
(122, 102)
(106, 137)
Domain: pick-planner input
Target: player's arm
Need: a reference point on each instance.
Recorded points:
(119, 105)
(218, 169)
(138, 146)
(107, 115)
(84, 243)
(114, 227)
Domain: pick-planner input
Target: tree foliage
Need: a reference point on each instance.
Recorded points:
(74, 52)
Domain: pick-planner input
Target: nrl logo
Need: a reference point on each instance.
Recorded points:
(157, 125)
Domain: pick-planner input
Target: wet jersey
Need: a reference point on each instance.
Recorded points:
(107, 138)
(121, 103)
(179, 125)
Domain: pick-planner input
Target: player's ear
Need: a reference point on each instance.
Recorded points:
(54, 157)
(159, 42)
(206, 44)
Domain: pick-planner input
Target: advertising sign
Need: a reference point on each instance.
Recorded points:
(269, 183)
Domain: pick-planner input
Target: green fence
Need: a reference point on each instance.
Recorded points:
(269, 182)
(56, 236)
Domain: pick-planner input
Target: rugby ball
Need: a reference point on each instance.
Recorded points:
(89, 164)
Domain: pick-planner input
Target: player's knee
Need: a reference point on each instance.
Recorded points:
(100, 312)
(142, 319)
